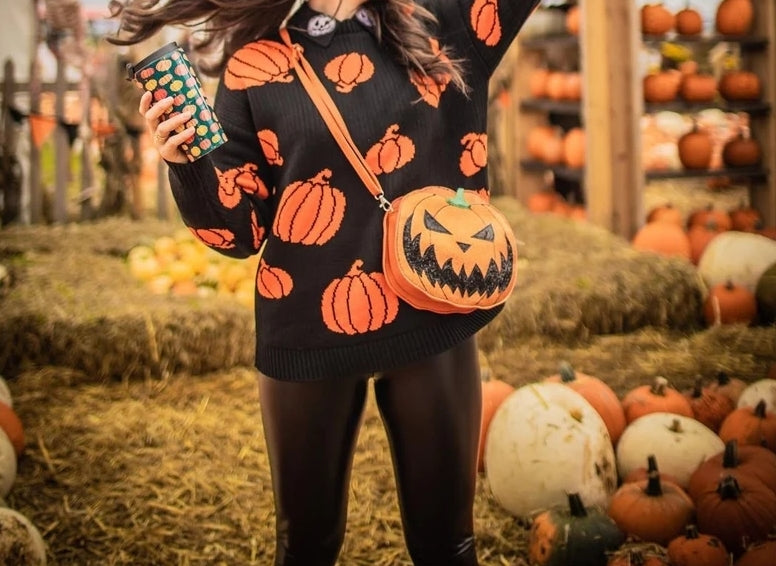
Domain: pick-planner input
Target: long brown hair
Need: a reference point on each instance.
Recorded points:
(227, 25)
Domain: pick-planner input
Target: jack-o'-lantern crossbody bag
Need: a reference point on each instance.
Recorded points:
(444, 250)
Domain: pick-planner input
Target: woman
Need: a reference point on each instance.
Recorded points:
(410, 80)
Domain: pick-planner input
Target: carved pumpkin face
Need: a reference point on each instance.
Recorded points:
(453, 244)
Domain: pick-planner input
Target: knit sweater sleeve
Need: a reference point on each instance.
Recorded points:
(482, 27)
(225, 197)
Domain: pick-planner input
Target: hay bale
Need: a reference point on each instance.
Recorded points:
(74, 304)
(576, 280)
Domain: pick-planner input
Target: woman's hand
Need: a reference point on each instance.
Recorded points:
(162, 129)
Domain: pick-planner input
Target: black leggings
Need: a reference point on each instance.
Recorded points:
(431, 412)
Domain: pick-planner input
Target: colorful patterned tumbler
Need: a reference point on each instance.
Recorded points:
(168, 72)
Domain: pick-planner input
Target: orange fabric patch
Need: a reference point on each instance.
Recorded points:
(257, 64)
(349, 70)
(485, 21)
(392, 152)
(475, 153)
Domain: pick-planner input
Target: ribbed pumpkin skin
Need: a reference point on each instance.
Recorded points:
(697, 549)
(760, 554)
(735, 460)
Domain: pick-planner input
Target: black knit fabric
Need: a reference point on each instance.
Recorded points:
(322, 308)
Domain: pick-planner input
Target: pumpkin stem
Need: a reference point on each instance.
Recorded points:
(728, 488)
(659, 386)
(676, 426)
(576, 507)
(652, 464)
(730, 457)
(691, 532)
(759, 410)
(459, 200)
(355, 269)
(567, 373)
(723, 378)
(654, 488)
(697, 390)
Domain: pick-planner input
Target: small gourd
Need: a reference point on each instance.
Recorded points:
(656, 397)
(661, 86)
(745, 218)
(710, 213)
(695, 149)
(742, 151)
(729, 303)
(740, 85)
(709, 406)
(656, 19)
(734, 17)
(698, 87)
(689, 21)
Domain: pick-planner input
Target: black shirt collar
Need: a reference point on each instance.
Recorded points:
(321, 28)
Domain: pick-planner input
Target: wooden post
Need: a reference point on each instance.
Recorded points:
(36, 194)
(87, 166)
(613, 105)
(61, 148)
(11, 179)
(763, 195)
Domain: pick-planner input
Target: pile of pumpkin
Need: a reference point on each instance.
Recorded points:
(182, 265)
(659, 477)
(20, 541)
(734, 254)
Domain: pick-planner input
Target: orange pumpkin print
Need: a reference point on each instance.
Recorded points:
(431, 88)
(257, 230)
(391, 152)
(475, 153)
(270, 147)
(309, 212)
(359, 302)
(273, 282)
(349, 70)
(220, 238)
(232, 183)
(257, 64)
(485, 21)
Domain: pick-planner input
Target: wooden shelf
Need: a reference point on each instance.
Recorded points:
(552, 40)
(750, 173)
(752, 108)
(568, 173)
(747, 42)
(565, 107)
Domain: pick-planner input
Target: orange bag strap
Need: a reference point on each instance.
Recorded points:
(331, 115)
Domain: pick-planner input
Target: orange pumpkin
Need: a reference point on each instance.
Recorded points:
(494, 391)
(732, 387)
(738, 511)
(359, 302)
(729, 303)
(745, 218)
(573, 20)
(709, 406)
(657, 397)
(742, 151)
(485, 21)
(700, 235)
(758, 554)
(537, 138)
(751, 425)
(273, 282)
(710, 215)
(572, 86)
(651, 510)
(11, 424)
(740, 86)
(697, 549)
(556, 85)
(537, 82)
(440, 238)
(552, 151)
(734, 17)
(602, 397)
(349, 70)
(689, 21)
(666, 213)
(574, 147)
(735, 460)
(698, 88)
(661, 86)
(639, 554)
(656, 19)
(695, 149)
(663, 238)
(309, 212)
(257, 64)
(392, 152)
(542, 201)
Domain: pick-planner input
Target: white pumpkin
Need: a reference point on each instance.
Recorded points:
(5, 393)
(764, 389)
(21, 544)
(545, 441)
(678, 443)
(741, 257)
(7, 464)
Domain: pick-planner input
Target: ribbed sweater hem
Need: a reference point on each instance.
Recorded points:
(288, 364)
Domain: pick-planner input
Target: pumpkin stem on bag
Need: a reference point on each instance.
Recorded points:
(459, 200)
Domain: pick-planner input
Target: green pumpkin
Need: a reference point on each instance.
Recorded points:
(766, 295)
(576, 536)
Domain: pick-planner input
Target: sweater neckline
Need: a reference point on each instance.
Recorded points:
(322, 28)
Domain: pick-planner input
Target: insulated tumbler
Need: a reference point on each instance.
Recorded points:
(168, 72)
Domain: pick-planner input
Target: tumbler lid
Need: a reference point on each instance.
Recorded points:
(158, 54)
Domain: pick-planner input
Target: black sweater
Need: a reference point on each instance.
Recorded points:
(322, 308)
